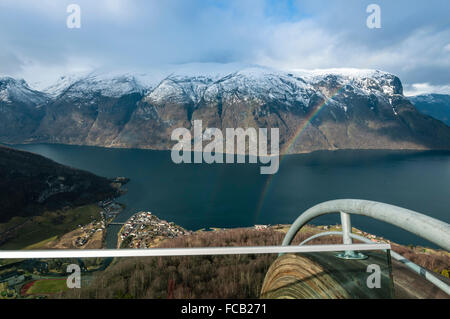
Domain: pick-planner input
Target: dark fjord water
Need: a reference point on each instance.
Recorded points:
(200, 195)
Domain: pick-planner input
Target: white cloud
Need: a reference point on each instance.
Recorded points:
(412, 44)
(307, 45)
(425, 88)
(56, 10)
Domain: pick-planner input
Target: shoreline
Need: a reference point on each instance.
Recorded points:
(156, 149)
(285, 227)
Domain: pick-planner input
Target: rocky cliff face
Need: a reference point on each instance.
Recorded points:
(314, 110)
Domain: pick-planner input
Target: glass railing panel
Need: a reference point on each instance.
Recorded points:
(323, 275)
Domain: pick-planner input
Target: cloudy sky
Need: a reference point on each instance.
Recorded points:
(413, 42)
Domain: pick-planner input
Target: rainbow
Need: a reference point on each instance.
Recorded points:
(288, 145)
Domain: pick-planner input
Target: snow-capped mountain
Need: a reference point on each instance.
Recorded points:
(345, 108)
(248, 81)
(269, 85)
(435, 105)
(21, 109)
(108, 85)
(18, 91)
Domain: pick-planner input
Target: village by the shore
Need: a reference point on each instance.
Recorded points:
(145, 230)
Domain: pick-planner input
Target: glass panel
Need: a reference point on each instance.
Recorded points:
(306, 275)
(325, 275)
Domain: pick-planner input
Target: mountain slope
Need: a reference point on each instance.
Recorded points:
(314, 110)
(435, 105)
(31, 184)
(21, 109)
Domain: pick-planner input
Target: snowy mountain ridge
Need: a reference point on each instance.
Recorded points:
(12, 90)
(359, 109)
(195, 83)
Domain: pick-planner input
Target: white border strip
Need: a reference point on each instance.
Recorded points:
(159, 252)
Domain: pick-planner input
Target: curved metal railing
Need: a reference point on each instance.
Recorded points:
(429, 228)
(434, 230)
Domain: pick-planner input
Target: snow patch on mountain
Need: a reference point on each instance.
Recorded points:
(12, 90)
(431, 98)
(106, 84)
(62, 84)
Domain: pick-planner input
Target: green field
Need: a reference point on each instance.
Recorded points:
(47, 286)
(33, 232)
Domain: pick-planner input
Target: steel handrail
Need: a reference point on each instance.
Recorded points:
(429, 228)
